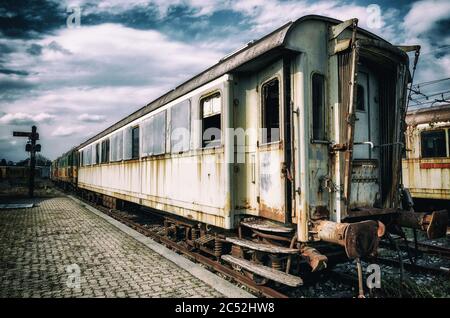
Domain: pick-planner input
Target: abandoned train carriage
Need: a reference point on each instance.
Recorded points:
(332, 98)
(426, 168)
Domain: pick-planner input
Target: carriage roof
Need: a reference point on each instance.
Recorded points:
(274, 42)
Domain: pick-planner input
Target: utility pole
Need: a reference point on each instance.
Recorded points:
(32, 148)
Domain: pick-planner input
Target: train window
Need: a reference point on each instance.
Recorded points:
(87, 156)
(180, 133)
(211, 107)
(135, 142)
(448, 139)
(270, 122)
(360, 98)
(97, 153)
(105, 151)
(117, 146)
(154, 135)
(318, 106)
(159, 133)
(433, 144)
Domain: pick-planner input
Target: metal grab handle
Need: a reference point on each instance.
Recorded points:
(365, 143)
(391, 144)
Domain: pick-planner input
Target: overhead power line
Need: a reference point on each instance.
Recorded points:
(431, 82)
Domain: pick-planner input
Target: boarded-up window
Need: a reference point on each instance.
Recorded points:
(154, 135)
(87, 156)
(105, 151)
(433, 144)
(180, 127)
(135, 142)
(117, 146)
(270, 121)
(318, 106)
(211, 107)
(128, 143)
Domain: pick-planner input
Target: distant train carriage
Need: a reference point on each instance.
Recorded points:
(295, 138)
(64, 170)
(426, 168)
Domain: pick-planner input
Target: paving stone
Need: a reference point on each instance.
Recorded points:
(41, 247)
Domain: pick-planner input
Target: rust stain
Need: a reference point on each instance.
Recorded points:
(320, 212)
(434, 165)
(271, 213)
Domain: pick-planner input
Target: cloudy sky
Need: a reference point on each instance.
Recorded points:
(74, 82)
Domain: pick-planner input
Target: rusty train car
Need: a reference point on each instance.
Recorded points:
(291, 142)
(426, 166)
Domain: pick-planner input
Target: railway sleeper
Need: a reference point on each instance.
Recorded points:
(263, 262)
(263, 271)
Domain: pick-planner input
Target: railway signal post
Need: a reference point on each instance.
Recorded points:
(32, 148)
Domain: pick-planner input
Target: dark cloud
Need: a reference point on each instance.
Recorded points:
(34, 49)
(11, 85)
(30, 19)
(438, 33)
(54, 46)
(6, 49)
(15, 72)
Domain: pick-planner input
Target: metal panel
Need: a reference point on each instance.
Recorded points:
(271, 183)
(127, 143)
(271, 156)
(116, 145)
(153, 135)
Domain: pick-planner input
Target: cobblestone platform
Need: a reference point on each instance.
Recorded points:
(38, 244)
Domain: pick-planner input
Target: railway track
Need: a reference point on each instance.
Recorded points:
(428, 248)
(212, 264)
(416, 268)
(153, 230)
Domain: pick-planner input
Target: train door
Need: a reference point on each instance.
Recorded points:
(270, 151)
(365, 177)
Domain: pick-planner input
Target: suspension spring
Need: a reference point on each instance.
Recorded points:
(194, 234)
(276, 263)
(217, 248)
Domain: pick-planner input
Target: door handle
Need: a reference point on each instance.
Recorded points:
(253, 168)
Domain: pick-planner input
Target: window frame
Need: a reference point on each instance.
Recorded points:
(133, 128)
(262, 109)
(170, 127)
(105, 158)
(97, 153)
(114, 137)
(365, 99)
(313, 138)
(446, 141)
(200, 104)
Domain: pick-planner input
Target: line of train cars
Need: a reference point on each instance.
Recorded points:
(320, 103)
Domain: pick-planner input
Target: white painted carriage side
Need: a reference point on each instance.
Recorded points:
(193, 184)
(426, 183)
